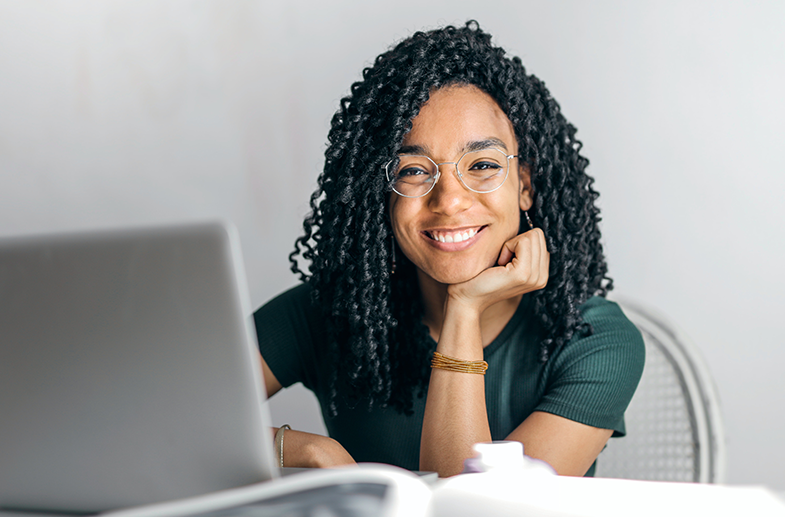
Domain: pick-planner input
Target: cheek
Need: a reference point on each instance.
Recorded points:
(392, 213)
(508, 212)
(403, 217)
(402, 213)
(398, 218)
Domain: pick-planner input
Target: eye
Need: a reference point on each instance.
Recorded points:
(485, 166)
(411, 171)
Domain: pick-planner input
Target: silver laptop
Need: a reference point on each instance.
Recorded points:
(129, 372)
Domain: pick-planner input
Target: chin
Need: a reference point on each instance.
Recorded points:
(455, 275)
(453, 279)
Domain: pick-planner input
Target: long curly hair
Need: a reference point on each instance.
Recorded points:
(377, 340)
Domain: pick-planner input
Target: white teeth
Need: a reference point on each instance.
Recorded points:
(453, 237)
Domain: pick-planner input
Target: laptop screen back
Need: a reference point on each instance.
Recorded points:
(129, 372)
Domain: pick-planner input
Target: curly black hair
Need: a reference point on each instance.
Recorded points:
(377, 340)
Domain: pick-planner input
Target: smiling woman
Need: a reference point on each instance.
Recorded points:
(456, 285)
(429, 228)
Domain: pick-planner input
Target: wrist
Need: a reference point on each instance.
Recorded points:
(461, 307)
(279, 443)
(460, 335)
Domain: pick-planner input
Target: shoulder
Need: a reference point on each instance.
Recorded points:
(607, 318)
(594, 376)
(289, 337)
(613, 343)
(297, 298)
(290, 316)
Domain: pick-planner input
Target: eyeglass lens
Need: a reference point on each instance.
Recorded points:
(480, 171)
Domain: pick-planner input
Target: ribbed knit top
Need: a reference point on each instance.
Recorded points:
(590, 380)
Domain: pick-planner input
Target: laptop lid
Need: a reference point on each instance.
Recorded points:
(129, 372)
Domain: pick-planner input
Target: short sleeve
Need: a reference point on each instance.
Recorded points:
(593, 378)
(285, 329)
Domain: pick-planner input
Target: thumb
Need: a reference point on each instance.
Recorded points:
(506, 254)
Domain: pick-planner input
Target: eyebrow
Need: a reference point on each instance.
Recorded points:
(475, 145)
(485, 144)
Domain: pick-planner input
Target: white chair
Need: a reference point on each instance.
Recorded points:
(674, 428)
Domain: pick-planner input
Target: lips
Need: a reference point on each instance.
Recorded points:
(456, 235)
(452, 236)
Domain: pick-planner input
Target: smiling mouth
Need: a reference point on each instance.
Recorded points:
(453, 236)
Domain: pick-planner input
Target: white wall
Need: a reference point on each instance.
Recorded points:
(121, 112)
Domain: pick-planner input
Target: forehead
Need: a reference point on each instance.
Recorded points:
(456, 116)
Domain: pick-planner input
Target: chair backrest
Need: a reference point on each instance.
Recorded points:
(674, 427)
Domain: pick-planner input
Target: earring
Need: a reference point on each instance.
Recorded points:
(392, 254)
(531, 225)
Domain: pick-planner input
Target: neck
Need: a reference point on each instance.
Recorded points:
(434, 297)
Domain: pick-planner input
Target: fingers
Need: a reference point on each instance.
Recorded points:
(526, 256)
(522, 267)
(508, 252)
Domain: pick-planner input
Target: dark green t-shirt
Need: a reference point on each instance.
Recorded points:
(590, 380)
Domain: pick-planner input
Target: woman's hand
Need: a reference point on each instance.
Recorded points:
(308, 450)
(455, 412)
(522, 267)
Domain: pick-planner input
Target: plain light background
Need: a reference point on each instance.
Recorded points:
(118, 113)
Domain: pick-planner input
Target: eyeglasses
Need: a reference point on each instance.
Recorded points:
(480, 171)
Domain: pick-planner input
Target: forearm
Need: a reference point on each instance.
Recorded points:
(455, 414)
(308, 450)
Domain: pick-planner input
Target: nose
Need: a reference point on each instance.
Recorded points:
(449, 196)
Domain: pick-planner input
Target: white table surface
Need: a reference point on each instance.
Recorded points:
(780, 494)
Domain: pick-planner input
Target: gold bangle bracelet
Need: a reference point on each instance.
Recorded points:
(452, 364)
(279, 442)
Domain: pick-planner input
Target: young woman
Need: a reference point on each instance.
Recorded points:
(455, 292)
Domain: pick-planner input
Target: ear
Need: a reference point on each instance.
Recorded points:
(525, 194)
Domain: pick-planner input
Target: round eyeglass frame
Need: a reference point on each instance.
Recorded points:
(457, 172)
